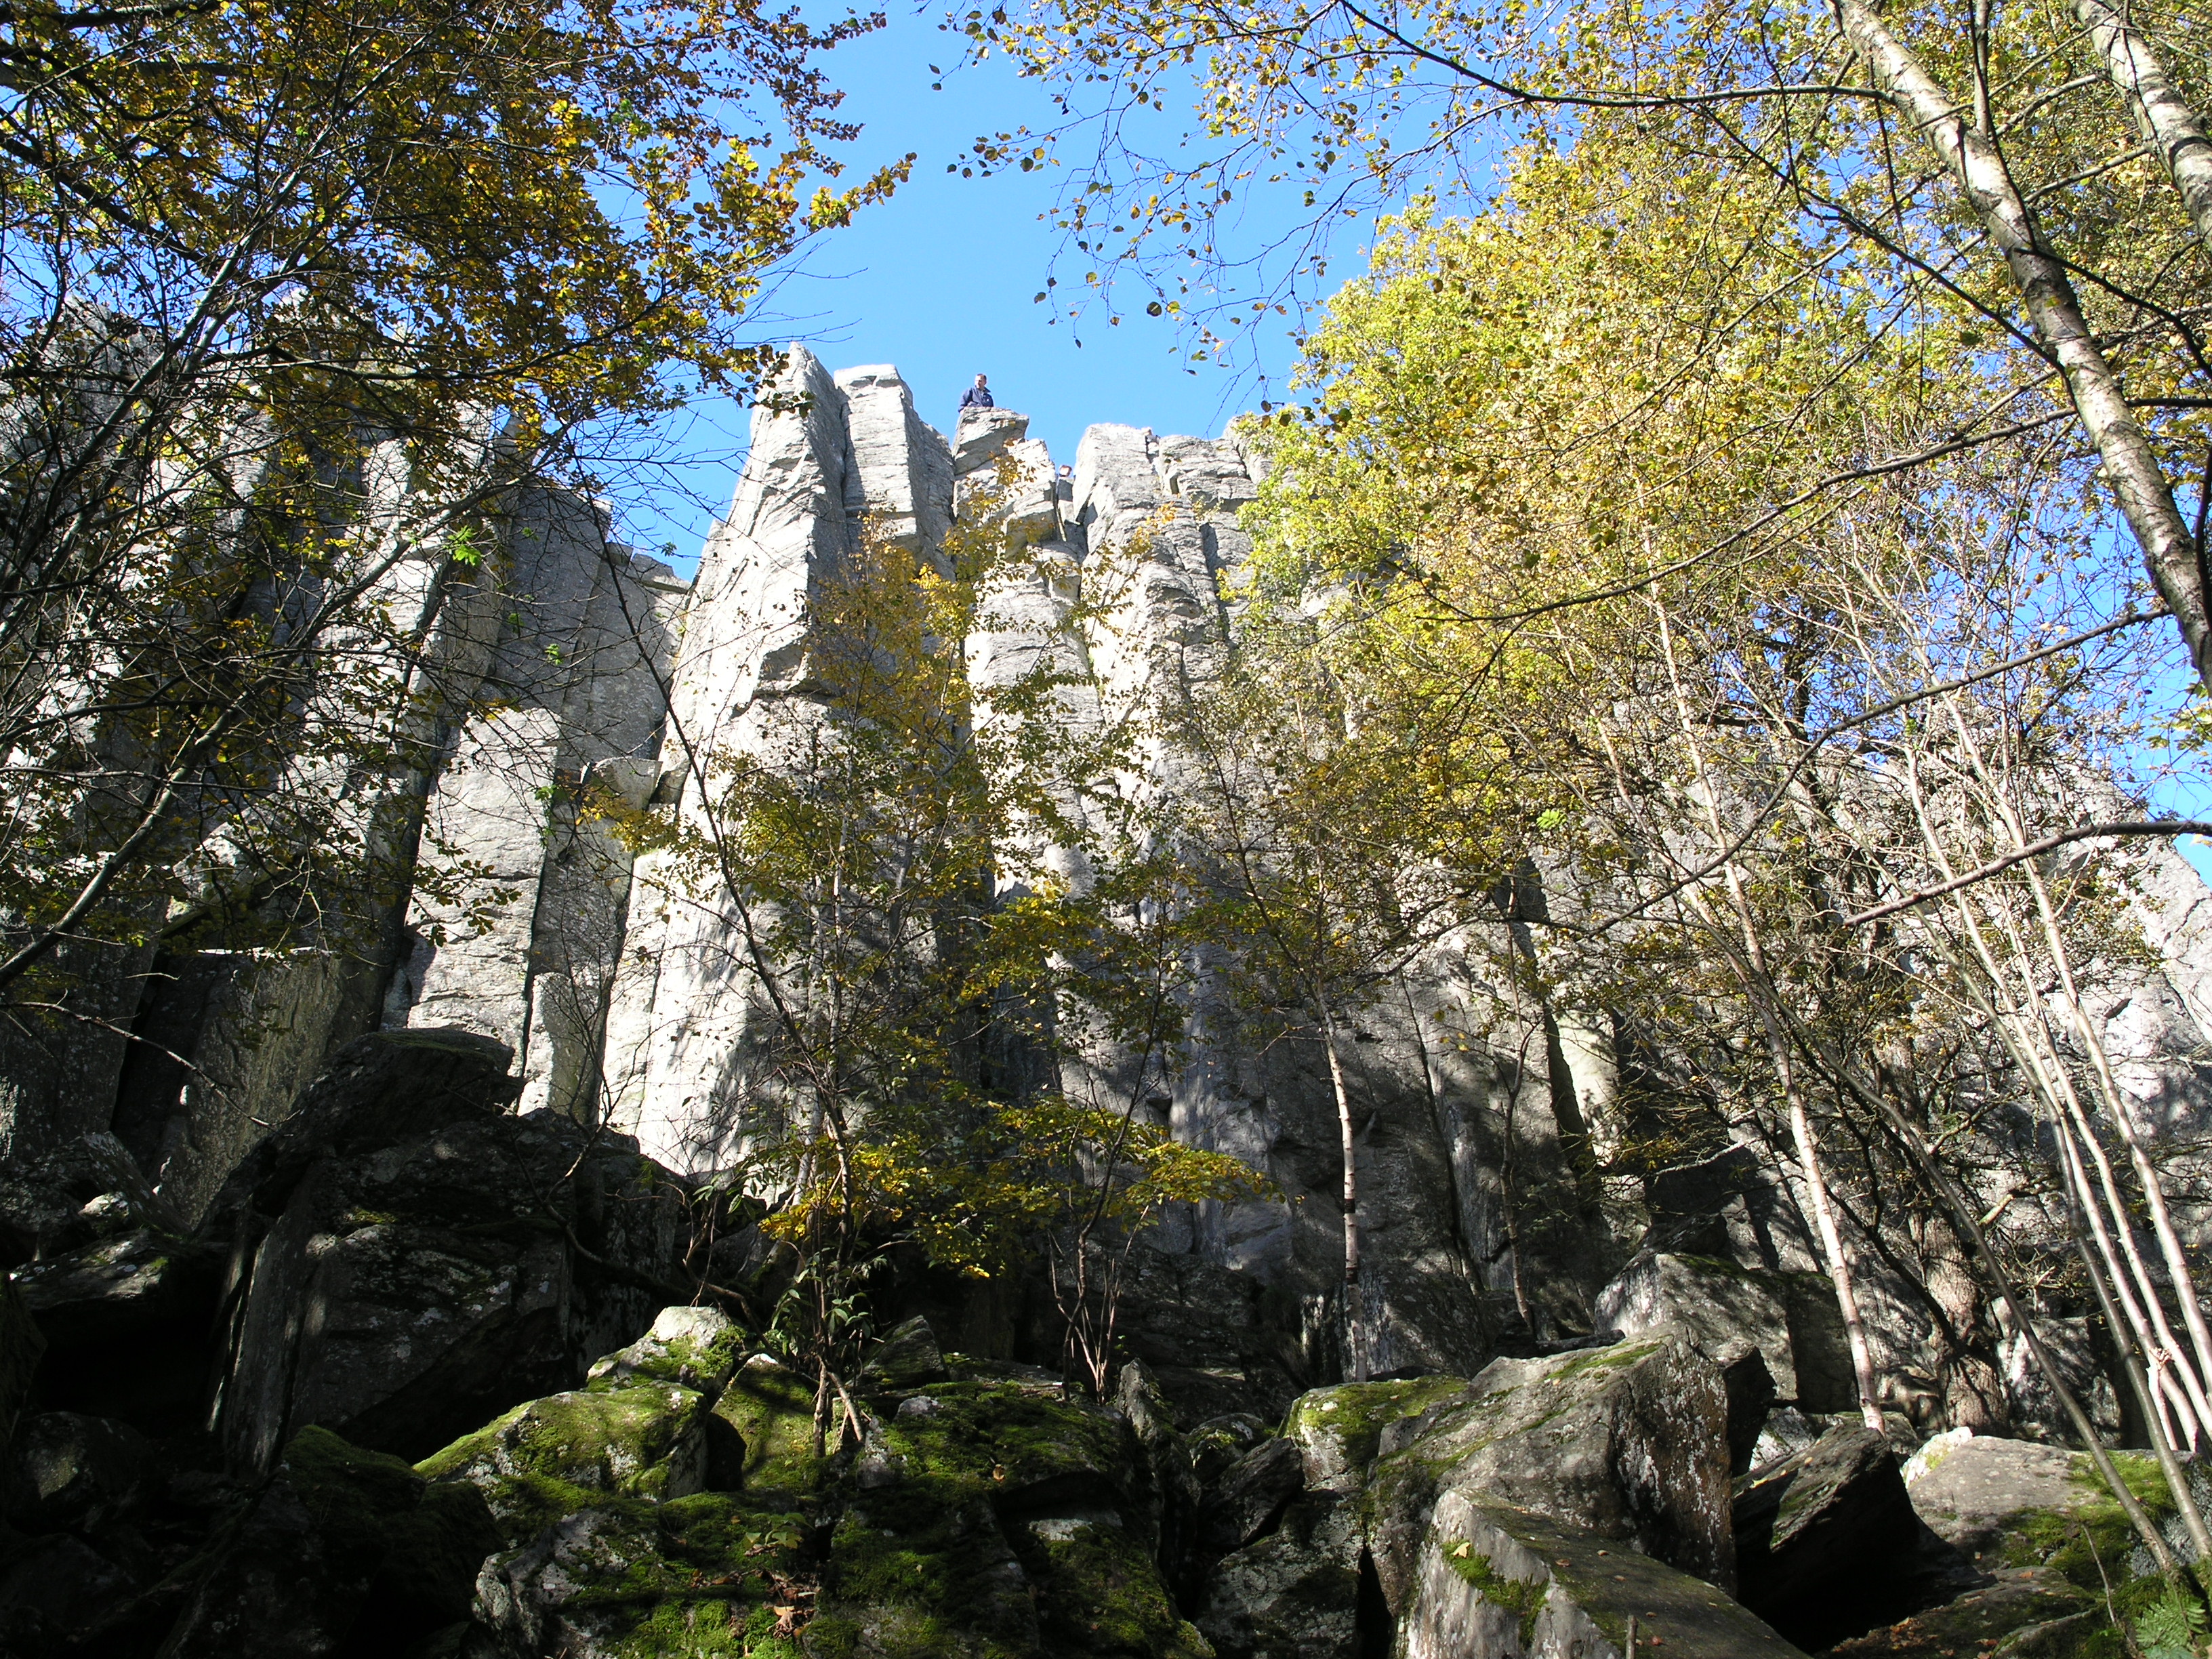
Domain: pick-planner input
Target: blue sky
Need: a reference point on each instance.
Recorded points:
(939, 281)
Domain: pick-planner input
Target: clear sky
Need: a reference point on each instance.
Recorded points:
(939, 281)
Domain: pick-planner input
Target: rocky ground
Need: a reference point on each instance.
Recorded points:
(430, 1380)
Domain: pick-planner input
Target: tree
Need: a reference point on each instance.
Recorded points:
(298, 297)
(1756, 752)
(915, 978)
(1973, 179)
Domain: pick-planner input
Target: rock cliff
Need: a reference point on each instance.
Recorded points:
(352, 1308)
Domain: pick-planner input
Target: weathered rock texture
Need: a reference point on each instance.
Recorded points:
(406, 1181)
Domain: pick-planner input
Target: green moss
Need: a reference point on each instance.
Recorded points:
(771, 1409)
(1098, 1592)
(940, 1561)
(2091, 1545)
(524, 1506)
(1618, 1357)
(1715, 1264)
(832, 1636)
(1523, 1598)
(625, 1441)
(1356, 1413)
(356, 1496)
(998, 1439)
(682, 1361)
(694, 1630)
(700, 1577)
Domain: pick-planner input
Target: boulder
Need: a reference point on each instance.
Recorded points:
(1339, 1430)
(1173, 1491)
(80, 1192)
(1627, 1443)
(1497, 1582)
(20, 1347)
(770, 1408)
(1000, 1515)
(378, 1091)
(1826, 1540)
(1977, 1490)
(52, 1588)
(648, 1441)
(1726, 1312)
(1292, 1594)
(2024, 1613)
(710, 1574)
(1250, 1496)
(126, 1323)
(695, 1348)
(123, 1290)
(909, 1357)
(1219, 1441)
(451, 1271)
(343, 1551)
(74, 1473)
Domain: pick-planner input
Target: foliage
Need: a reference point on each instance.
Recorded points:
(1589, 509)
(2170, 1628)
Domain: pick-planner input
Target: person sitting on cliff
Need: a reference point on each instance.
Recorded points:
(977, 395)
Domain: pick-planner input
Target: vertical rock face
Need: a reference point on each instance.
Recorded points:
(516, 925)
(686, 1014)
(568, 681)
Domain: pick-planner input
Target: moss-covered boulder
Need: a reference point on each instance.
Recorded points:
(2023, 1612)
(770, 1408)
(1627, 1444)
(706, 1577)
(696, 1348)
(343, 1551)
(1219, 1441)
(1339, 1430)
(985, 1519)
(2056, 1555)
(648, 1441)
(908, 1358)
(1098, 1589)
(1497, 1582)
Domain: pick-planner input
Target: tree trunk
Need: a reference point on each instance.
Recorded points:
(2157, 107)
(2054, 311)
(1355, 1315)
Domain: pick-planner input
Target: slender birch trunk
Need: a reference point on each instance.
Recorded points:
(1355, 1313)
(1758, 985)
(1962, 1214)
(2054, 311)
(2156, 106)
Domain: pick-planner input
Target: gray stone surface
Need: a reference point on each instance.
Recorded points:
(685, 1025)
(905, 466)
(1497, 1582)
(1971, 1490)
(1724, 1310)
(696, 1348)
(1627, 1443)
(1293, 1595)
(69, 1472)
(909, 1357)
(439, 1244)
(1822, 1528)
(1250, 1496)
